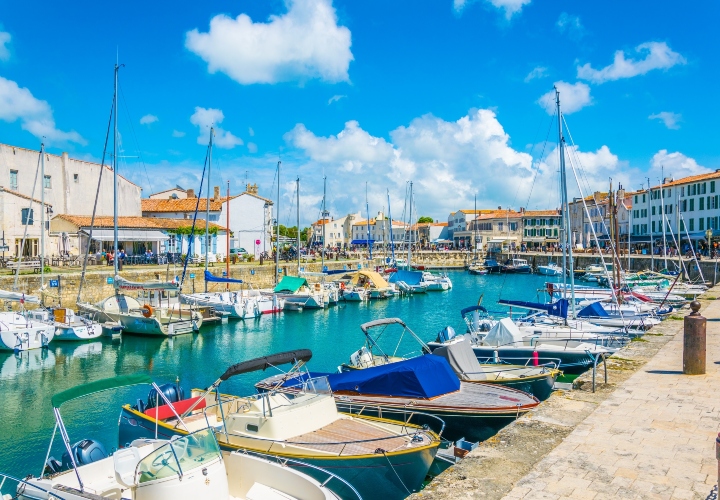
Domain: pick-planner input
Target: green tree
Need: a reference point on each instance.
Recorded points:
(424, 219)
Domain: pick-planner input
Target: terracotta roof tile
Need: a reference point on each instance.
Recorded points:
(133, 222)
(690, 179)
(179, 205)
(537, 213)
(500, 214)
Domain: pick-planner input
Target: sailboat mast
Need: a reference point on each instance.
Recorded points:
(277, 228)
(566, 240)
(42, 215)
(298, 222)
(650, 229)
(207, 206)
(227, 237)
(115, 176)
(392, 241)
(409, 265)
(324, 222)
(662, 212)
(367, 211)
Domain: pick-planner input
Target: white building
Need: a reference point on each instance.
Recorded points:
(380, 229)
(460, 222)
(337, 231)
(69, 187)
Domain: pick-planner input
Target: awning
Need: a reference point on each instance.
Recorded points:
(362, 242)
(534, 239)
(127, 235)
(501, 240)
(640, 239)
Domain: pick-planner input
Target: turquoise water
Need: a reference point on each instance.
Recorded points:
(29, 380)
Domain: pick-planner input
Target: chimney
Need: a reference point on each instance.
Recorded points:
(190, 193)
(522, 210)
(499, 208)
(251, 188)
(216, 193)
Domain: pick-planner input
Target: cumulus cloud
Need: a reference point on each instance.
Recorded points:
(251, 132)
(304, 43)
(674, 165)
(570, 24)
(177, 133)
(335, 98)
(204, 118)
(573, 97)
(669, 118)
(148, 119)
(657, 55)
(35, 116)
(509, 7)
(537, 72)
(4, 42)
(252, 147)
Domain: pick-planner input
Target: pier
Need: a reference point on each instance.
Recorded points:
(648, 433)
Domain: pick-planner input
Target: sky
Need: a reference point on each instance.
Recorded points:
(455, 96)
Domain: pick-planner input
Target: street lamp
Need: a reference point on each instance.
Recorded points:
(708, 238)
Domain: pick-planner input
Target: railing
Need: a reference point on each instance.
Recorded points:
(21, 485)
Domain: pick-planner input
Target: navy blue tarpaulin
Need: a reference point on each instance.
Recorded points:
(594, 309)
(558, 308)
(209, 277)
(422, 377)
(409, 277)
(362, 242)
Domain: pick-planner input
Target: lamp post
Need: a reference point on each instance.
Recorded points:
(708, 238)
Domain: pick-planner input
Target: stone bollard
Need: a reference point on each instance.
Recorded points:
(694, 342)
(717, 455)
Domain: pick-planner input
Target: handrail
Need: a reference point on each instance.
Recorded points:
(22, 483)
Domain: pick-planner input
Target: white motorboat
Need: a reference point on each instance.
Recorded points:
(436, 283)
(298, 294)
(353, 293)
(19, 332)
(516, 266)
(232, 304)
(551, 269)
(68, 325)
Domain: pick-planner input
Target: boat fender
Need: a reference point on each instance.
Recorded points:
(342, 286)
(535, 358)
(147, 310)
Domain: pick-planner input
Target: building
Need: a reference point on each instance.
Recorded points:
(251, 221)
(380, 230)
(459, 222)
(541, 228)
(590, 219)
(432, 233)
(69, 187)
(337, 231)
(494, 231)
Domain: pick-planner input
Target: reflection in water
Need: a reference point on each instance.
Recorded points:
(29, 380)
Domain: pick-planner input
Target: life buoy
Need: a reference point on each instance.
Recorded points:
(342, 286)
(147, 310)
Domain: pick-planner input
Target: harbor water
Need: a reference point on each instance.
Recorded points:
(28, 380)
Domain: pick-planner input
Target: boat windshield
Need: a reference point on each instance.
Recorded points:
(178, 457)
(310, 384)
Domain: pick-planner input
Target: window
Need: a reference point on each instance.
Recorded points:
(13, 179)
(701, 203)
(701, 224)
(668, 209)
(500, 226)
(513, 226)
(27, 216)
(47, 182)
(76, 177)
(653, 226)
(691, 224)
(643, 197)
(653, 210)
(692, 205)
(684, 206)
(704, 188)
(636, 199)
(682, 191)
(669, 192)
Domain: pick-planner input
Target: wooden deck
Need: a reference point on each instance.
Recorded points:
(334, 438)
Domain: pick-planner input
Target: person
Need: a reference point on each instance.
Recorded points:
(109, 256)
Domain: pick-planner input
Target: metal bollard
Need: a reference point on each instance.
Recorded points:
(694, 342)
(717, 455)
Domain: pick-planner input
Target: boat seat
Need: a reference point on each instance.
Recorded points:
(259, 491)
(125, 461)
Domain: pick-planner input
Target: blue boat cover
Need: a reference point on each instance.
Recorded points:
(421, 377)
(594, 309)
(558, 308)
(470, 309)
(210, 277)
(409, 277)
(362, 242)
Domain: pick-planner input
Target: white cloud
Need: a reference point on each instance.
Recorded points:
(335, 98)
(251, 132)
(657, 55)
(36, 116)
(669, 118)
(570, 24)
(148, 119)
(510, 7)
(674, 165)
(573, 97)
(177, 133)
(537, 72)
(252, 147)
(4, 41)
(204, 118)
(304, 43)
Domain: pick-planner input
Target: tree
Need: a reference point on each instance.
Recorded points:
(424, 219)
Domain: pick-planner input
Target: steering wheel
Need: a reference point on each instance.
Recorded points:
(162, 460)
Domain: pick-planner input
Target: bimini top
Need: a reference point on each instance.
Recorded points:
(409, 277)
(18, 296)
(370, 276)
(594, 309)
(468, 310)
(211, 278)
(101, 385)
(290, 284)
(265, 362)
(421, 377)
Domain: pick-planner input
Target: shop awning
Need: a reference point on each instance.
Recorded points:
(127, 235)
(362, 242)
(503, 239)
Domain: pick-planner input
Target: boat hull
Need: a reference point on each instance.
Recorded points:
(25, 339)
(140, 325)
(393, 473)
(549, 271)
(237, 309)
(571, 362)
(78, 332)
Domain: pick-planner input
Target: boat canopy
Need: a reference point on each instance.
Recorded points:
(290, 284)
(211, 278)
(468, 310)
(558, 308)
(369, 276)
(133, 285)
(17, 296)
(265, 362)
(409, 277)
(101, 385)
(594, 309)
(379, 322)
(421, 377)
(461, 357)
(504, 332)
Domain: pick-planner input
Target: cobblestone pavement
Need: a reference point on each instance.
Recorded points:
(653, 437)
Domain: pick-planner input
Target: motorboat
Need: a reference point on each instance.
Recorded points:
(19, 332)
(373, 283)
(408, 282)
(232, 304)
(307, 425)
(551, 269)
(297, 293)
(606, 314)
(516, 266)
(492, 266)
(152, 316)
(478, 269)
(436, 283)
(68, 325)
(423, 384)
(184, 468)
(353, 293)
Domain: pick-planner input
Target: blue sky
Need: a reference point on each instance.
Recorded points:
(447, 94)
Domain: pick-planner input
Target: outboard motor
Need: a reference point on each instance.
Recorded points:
(173, 393)
(446, 334)
(85, 452)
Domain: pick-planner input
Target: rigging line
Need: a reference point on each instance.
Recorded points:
(538, 162)
(97, 195)
(28, 218)
(137, 144)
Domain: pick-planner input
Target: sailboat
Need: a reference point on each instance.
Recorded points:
(151, 316)
(18, 331)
